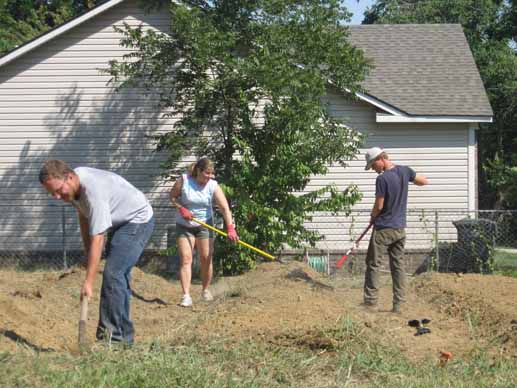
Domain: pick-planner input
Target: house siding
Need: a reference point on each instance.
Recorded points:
(55, 103)
(441, 152)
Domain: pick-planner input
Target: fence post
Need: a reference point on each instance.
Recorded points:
(63, 230)
(436, 239)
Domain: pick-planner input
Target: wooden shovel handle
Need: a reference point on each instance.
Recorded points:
(84, 309)
(82, 321)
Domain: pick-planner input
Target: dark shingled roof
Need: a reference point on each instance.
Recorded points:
(422, 69)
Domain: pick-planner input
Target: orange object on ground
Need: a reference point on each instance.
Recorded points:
(444, 358)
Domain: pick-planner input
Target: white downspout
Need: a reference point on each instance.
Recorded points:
(472, 168)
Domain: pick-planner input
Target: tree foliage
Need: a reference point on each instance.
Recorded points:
(22, 20)
(247, 80)
(490, 27)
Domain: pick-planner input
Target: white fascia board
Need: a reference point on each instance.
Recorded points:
(394, 115)
(379, 104)
(58, 31)
(384, 118)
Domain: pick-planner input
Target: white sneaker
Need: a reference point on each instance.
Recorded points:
(186, 301)
(207, 296)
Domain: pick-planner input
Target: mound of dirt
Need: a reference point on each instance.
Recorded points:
(486, 303)
(278, 303)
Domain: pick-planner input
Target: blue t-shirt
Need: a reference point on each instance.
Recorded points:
(393, 184)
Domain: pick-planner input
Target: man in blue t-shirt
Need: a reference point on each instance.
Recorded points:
(389, 219)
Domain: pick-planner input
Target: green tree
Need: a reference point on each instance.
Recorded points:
(253, 75)
(490, 28)
(22, 20)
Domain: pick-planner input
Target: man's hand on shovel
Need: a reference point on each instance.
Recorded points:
(87, 290)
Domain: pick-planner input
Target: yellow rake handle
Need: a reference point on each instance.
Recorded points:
(260, 252)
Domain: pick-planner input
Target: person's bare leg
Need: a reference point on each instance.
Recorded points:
(185, 246)
(205, 252)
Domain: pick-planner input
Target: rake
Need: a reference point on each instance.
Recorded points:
(353, 247)
(244, 244)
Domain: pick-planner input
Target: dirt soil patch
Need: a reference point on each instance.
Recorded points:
(284, 304)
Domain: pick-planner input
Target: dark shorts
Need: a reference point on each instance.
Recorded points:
(197, 232)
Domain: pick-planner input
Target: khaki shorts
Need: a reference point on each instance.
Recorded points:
(197, 232)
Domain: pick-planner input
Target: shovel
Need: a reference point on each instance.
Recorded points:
(82, 322)
(352, 248)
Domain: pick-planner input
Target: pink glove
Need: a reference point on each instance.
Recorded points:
(185, 213)
(232, 234)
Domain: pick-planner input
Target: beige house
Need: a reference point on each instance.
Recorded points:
(425, 100)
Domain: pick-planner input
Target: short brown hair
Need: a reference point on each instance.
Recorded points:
(54, 168)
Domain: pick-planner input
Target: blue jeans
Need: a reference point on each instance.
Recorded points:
(124, 247)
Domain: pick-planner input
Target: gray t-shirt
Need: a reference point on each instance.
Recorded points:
(107, 200)
(393, 184)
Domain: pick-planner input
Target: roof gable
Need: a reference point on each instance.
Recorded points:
(422, 69)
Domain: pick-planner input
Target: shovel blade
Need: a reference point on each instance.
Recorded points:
(82, 322)
(82, 333)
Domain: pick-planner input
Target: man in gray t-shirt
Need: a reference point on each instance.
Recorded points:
(105, 202)
(389, 219)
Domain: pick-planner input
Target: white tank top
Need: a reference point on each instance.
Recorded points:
(198, 199)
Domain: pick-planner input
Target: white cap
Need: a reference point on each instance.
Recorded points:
(370, 156)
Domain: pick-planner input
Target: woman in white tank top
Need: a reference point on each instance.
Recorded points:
(193, 195)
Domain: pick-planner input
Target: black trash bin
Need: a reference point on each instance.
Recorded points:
(476, 241)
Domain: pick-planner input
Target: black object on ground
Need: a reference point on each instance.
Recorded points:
(422, 330)
(414, 323)
(418, 324)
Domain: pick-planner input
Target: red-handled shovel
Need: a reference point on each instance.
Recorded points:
(353, 247)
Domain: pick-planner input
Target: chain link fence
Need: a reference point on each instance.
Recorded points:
(38, 235)
(483, 241)
(46, 235)
(467, 241)
(442, 240)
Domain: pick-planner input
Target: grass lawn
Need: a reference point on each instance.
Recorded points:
(345, 357)
(282, 325)
(505, 261)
